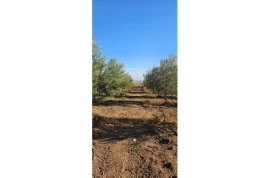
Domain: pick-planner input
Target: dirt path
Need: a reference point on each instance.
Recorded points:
(131, 139)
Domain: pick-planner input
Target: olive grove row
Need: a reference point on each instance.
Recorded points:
(107, 77)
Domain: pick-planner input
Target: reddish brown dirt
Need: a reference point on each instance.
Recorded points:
(131, 139)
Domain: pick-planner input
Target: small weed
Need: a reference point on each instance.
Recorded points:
(147, 105)
(134, 149)
(174, 100)
(108, 98)
(145, 95)
(120, 95)
(157, 117)
(97, 100)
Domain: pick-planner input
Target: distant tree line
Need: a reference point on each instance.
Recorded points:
(107, 77)
(163, 79)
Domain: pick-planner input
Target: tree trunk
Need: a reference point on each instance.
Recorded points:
(165, 95)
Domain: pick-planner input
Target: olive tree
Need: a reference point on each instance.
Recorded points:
(98, 65)
(107, 77)
(163, 79)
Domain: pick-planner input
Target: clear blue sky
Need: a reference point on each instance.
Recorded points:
(138, 32)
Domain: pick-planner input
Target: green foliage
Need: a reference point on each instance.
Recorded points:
(97, 68)
(115, 77)
(134, 149)
(107, 77)
(163, 79)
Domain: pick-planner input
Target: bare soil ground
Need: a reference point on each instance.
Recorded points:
(135, 136)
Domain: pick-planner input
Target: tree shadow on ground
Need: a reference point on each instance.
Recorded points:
(136, 92)
(138, 97)
(168, 97)
(146, 95)
(116, 129)
(118, 103)
(130, 102)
